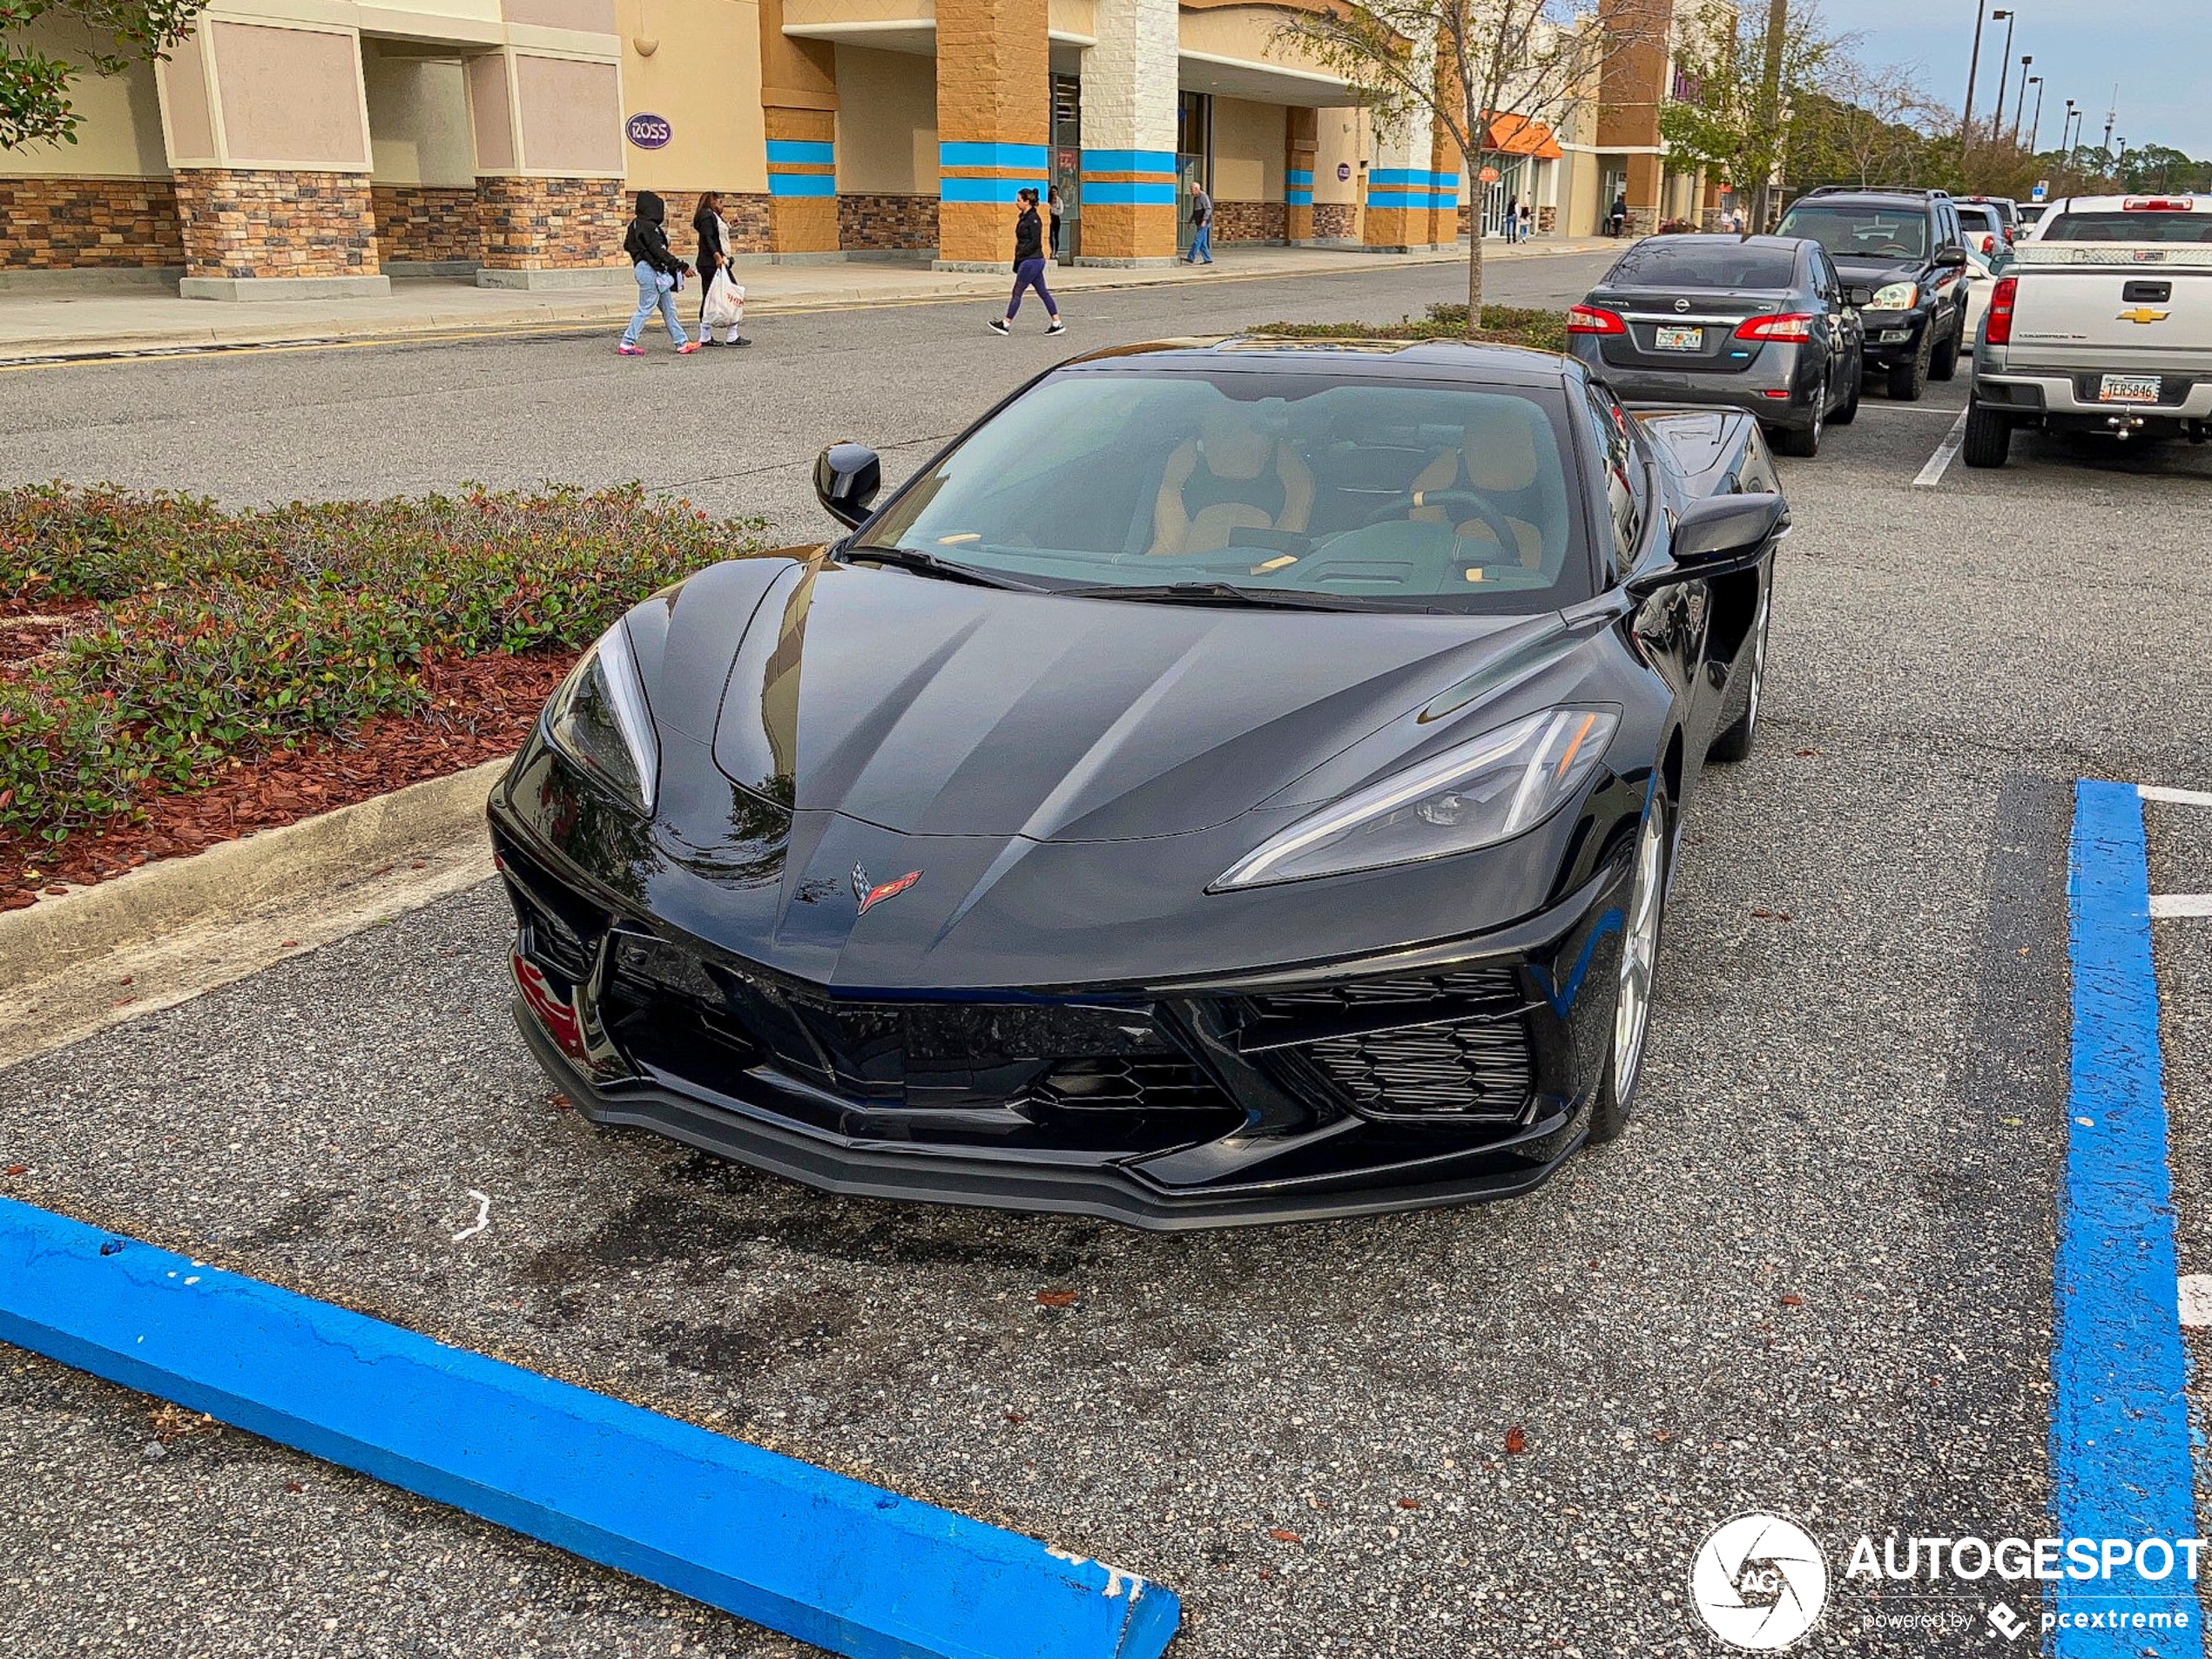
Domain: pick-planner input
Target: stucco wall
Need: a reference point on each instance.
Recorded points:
(886, 122)
(705, 79)
(120, 136)
(418, 120)
(1248, 141)
(572, 115)
(290, 96)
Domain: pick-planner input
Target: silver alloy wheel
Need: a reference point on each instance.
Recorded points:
(1759, 664)
(1639, 955)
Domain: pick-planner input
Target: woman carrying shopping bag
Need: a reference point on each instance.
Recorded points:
(721, 302)
(658, 272)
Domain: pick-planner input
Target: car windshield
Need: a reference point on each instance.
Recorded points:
(1860, 232)
(1345, 493)
(1687, 262)
(2141, 225)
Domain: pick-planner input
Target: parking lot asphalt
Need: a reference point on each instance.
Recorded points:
(1815, 1277)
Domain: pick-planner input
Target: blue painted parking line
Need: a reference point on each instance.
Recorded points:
(846, 1566)
(2120, 1443)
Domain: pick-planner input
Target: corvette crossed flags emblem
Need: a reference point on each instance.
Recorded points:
(868, 895)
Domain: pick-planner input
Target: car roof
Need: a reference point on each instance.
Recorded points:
(1363, 358)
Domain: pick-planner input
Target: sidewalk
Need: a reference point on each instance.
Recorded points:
(47, 327)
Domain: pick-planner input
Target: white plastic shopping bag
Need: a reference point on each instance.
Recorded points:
(725, 302)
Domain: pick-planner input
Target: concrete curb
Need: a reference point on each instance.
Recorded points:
(556, 316)
(233, 880)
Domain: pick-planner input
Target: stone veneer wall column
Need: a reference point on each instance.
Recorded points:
(550, 193)
(427, 224)
(1336, 201)
(993, 125)
(255, 224)
(1129, 115)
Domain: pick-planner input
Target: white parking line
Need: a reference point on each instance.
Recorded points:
(2164, 905)
(1939, 462)
(2174, 797)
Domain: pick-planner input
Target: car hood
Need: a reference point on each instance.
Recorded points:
(931, 707)
(1874, 272)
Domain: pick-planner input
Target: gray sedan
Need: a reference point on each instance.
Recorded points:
(1759, 323)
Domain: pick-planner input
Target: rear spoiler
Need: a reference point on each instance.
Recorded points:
(2186, 254)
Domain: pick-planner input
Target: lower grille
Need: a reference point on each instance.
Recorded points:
(1129, 1085)
(1419, 1071)
(1415, 1045)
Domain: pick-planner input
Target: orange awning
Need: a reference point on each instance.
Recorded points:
(1517, 135)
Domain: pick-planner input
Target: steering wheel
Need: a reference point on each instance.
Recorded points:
(1492, 518)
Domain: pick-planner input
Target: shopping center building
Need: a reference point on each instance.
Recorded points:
(307, 147)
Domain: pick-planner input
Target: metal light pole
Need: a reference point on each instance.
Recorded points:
(2070, 133)
(2020, 104)
(1973, 74)
(2036, 127)
(2004, 71)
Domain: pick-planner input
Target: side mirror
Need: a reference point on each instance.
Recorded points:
(1713, 536)
(848, 478)
(1858, 296)
(1951, 258)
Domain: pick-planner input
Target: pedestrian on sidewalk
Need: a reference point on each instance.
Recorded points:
(1200, 227)
(1029, 265)
(658, 272)
(1513, 220)
(1055, 207)
(714, 256)
(1620, 218)
(1527, 219)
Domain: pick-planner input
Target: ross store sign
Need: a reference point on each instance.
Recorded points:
(648, 131)
(1344, 172)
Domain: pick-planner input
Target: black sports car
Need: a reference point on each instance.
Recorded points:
(1232, 782)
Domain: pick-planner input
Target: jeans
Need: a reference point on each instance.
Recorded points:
(1201, 246)
(1030, 274)
(1512, 229)
(654, 289)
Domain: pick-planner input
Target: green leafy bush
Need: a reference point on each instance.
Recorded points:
(1501, 326)
(216, 634)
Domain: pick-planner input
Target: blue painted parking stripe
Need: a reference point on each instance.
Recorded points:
(831, 1561)
(2120, 1445)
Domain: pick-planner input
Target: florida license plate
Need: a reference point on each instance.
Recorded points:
(2129, 389)
(1670, 338)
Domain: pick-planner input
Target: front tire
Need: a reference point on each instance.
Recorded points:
(1989, 437)
(1909, 380)
(1616, 1089)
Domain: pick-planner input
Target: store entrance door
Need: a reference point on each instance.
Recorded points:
(1067, 163)
(1193, 158)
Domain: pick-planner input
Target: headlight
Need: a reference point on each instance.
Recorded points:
(599, 719)
(1478, 793)
(1896, 296)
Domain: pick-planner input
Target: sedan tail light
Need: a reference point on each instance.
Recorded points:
(1594, 319)
(2000, 310)
(1789, 325)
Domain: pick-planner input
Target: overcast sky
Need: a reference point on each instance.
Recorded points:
(2160, 51)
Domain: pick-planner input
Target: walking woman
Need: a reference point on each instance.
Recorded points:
(1029, 265)
(714, 254)
(657, 271)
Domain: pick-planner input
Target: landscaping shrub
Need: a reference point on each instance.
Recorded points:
(218, 634)
(1502, 324)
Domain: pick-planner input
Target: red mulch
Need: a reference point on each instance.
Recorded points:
(29, 630)
(482, 708)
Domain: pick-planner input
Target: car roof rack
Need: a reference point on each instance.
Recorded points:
(1880, 190)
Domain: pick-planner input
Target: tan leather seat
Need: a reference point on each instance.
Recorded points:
(1245, 478)
(1499, 457)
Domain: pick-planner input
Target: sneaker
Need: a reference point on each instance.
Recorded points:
(710, 340)
(630, 351)
(687, 349)
(736, 340)
(998, 326)
(1058, 327)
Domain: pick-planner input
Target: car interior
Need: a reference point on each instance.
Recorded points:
(1260, 480)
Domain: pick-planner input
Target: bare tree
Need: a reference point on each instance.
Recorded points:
(1461, 64)
(1741, 79)
(1870, 122)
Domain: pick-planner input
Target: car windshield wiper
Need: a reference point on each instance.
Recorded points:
(913, 558)
(1221, 593)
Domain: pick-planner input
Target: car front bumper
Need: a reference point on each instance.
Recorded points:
(1893, 337)
(1450, 1072)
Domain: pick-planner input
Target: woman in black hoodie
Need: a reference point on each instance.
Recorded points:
(1029, 265)
(658, 269)
(714, 253)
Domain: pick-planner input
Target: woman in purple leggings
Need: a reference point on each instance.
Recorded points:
(1028, 267)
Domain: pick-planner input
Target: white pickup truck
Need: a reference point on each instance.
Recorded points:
(2103, 324)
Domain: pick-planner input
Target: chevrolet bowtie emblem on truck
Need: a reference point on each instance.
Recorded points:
(2144, 315)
